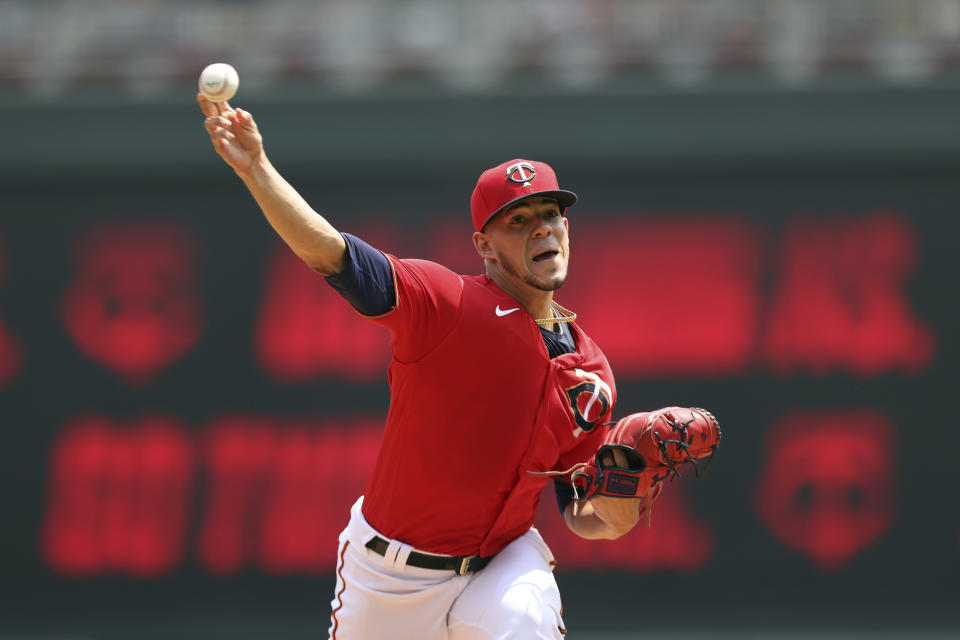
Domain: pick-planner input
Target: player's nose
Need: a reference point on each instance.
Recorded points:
(541, 227)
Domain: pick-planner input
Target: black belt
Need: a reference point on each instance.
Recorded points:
(461, 564)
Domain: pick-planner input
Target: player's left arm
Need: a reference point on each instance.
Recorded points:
(620, 483)
(602, 517)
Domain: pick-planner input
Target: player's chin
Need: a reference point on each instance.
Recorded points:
(547, 283)
(547, 275)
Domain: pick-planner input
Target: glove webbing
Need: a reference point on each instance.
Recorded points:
(684, 445)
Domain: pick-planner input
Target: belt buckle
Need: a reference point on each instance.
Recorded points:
(465, 565)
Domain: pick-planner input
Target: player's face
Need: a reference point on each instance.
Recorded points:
(530, 242)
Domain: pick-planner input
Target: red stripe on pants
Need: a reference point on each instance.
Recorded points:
(333, 631)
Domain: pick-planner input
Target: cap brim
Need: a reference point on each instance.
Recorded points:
(564, 198)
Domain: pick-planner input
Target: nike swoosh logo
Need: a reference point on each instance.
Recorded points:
(505, 312)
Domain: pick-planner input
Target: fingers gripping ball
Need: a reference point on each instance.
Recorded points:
(655, 445)
(219, 82)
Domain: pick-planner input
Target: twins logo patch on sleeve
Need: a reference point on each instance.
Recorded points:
(590, 401)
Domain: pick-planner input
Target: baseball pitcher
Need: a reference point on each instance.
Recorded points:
(495, 389)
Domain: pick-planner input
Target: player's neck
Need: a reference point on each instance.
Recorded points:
(536, 302)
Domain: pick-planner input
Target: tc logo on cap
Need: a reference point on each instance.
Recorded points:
(516, 173)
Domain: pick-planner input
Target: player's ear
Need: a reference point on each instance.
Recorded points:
(482, 244)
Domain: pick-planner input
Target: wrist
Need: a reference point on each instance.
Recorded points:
(258, 172)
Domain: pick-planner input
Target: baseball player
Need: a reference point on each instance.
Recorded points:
(494, 388)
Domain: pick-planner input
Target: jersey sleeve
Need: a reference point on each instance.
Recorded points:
(418, 301)
(427, 307)
(585, 449)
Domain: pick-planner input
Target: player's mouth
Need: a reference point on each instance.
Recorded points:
(545, 256)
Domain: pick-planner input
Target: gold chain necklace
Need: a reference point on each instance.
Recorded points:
(566, 315)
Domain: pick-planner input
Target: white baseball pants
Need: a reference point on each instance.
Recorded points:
(380, 597)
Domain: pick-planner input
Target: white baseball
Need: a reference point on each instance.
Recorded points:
(219, 82)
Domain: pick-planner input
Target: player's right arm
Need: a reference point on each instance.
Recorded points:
(418, 301)
(235, 137)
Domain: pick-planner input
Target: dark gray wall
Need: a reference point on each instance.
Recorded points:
(762, 157)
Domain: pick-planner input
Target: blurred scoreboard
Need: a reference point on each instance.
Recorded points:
(189, 402)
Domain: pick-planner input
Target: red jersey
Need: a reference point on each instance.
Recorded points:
(475, 404)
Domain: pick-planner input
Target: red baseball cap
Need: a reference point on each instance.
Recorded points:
(513, 180)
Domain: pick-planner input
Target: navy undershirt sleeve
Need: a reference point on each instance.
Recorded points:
(366, 281)
(564, 491)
